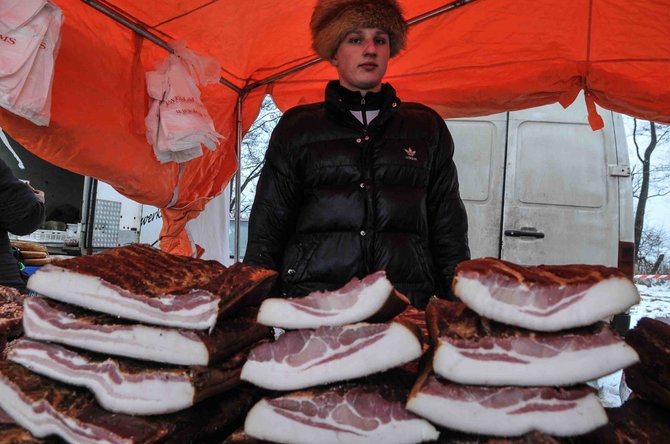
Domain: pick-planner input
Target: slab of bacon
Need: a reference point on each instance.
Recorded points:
(651, 377)
(306, 358)
(142, 283)
(350, 413)
(11, 312)
(48, 320)
(128, 386)
(371, 299)
(507, 411)
(45, 407)
(473, 350)
(546, 297)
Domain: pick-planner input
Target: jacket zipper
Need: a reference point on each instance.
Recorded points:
(367, 239)
(363, 113)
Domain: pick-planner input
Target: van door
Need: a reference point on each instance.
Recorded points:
(480, 158)
(539, 186)
(560, 202)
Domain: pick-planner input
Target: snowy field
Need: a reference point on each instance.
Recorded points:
(655, 303)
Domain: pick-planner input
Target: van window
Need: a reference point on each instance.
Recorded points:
(561, 164)
(474, 148)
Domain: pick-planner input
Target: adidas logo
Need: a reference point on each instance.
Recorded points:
(411, 154)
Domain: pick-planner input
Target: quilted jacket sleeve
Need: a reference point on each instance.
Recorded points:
(21, 212)
(272, 219)
(447, 218)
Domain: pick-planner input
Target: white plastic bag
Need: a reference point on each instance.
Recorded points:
(15, 13)
(177, 123)
(27, 67)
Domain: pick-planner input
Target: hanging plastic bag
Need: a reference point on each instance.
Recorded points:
(27, 65)
(16, 13)
(178, 123)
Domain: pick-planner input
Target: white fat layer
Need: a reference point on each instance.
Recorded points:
(94, 294)
(471, 417)
(601, 301)
(150, 396)
(48, 421)
(277, 312)
(569, 367)
(142, 342)
(374, 358)
(264, 423)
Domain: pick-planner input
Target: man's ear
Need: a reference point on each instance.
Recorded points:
(333, 60)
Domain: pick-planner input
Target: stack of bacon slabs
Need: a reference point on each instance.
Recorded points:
(491, 373)
(336, 341)
(146, 332)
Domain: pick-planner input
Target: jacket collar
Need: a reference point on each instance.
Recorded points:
(341, 101)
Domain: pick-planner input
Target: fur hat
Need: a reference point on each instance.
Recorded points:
(332, 20)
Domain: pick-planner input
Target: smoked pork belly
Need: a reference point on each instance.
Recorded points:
(128, 386)
(545, 297)
(506, 411)
(306, 358)
(473, 350)
(371, 299)
(45, 407)
(48, 320)
(349, 413)
(144, 284)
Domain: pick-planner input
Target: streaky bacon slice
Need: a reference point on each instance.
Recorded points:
(48, 320)
(506, 411)
(371, 299)
(473, 350)
(306, 358)
(144, 284)
(351, 413)
(47, 407)
(545, 297)
(128, 386)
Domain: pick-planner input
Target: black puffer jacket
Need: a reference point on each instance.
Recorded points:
(337, 199)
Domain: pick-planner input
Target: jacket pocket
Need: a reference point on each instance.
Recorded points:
(296, 261)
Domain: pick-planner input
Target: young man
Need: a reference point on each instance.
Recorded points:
(360, 182)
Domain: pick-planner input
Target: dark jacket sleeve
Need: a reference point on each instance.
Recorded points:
(272, 219)
(21, 212)
(447, 218)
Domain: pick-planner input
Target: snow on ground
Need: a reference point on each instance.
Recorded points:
(654, 303)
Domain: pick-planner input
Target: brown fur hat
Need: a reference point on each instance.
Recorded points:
(332, 20)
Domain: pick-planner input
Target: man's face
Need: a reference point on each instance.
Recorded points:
(361, 59)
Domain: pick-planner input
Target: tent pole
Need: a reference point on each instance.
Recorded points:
(139, 29)
(238, 174)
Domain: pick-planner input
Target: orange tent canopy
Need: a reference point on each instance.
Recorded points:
(477, 57)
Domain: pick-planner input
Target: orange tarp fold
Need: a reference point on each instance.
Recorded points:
(484, 57)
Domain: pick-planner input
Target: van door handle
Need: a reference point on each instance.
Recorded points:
(524, 233)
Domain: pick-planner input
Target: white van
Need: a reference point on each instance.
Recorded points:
(541, 187)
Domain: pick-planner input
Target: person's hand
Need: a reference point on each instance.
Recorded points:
(39, 194)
